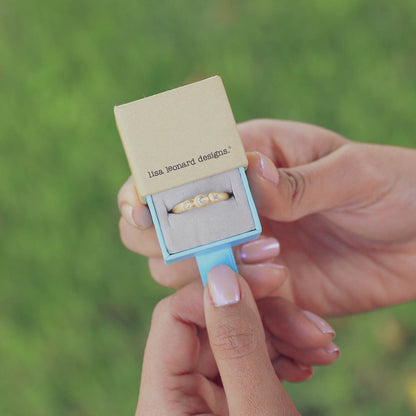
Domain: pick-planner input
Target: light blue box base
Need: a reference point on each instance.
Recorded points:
(215, 253)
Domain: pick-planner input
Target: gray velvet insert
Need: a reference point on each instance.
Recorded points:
(213, 222)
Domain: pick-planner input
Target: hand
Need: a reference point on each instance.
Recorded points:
(342, 211)
(138, 234)
(224, 364)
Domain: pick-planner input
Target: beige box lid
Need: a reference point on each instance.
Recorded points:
(179, 136)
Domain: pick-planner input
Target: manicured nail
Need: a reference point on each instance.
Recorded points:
(142, 217)
(322, 325)
(268, 169)
(127, 213)
(332, 349)
(223, 286)
(259, 250)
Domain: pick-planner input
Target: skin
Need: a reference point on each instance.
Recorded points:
(203, 358)
(342, 211)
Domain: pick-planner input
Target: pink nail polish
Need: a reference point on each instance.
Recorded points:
(269, 170)
(321, 324)
(332, 349)
(260, 250)
(303, 367)
(223, 286)
(142, 217)
(127, 213)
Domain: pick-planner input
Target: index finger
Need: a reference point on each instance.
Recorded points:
(169, 372)
(131, 208)
(288, 143)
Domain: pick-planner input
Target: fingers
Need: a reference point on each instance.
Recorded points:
(263, 177)
(175, 275)
(171, 349)
(178, 274)
(172, 337)
(261, 250)
(288, 323)
(143, 242)
(238, 343)
(288, 143)
(131, 209)
(296, 339)
(339, 179)
(177, 358)
(263, 278)
(138, 235)
(308, 357)
(294, 168)
(288, 369)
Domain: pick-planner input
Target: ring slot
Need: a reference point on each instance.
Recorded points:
(200, 201)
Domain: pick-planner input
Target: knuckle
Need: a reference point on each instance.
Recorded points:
(162, 308)
(297, 187)
(158, 273)
(234, 339)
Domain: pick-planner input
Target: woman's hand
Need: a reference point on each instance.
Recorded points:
(138, 234)
(343, 212)
(225, 363)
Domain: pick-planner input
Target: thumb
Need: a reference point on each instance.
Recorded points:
(287, 194)
(238, 343)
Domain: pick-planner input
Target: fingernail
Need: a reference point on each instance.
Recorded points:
(127, 213)
(321, 324)
(332, 349)
(259, 250)
(303, 367)
(268, 169)
(142, 218)
(223, 286)
(306, 369)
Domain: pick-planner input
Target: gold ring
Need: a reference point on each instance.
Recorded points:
(200, 201)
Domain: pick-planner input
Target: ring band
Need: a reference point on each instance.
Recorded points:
(200, 201)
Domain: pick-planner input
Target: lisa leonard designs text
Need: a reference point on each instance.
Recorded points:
(197, 159)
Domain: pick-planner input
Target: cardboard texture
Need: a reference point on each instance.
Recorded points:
(180, 136)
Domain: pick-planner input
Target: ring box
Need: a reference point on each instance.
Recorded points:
(180, 144)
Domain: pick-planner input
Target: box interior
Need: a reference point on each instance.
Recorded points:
(208, 224)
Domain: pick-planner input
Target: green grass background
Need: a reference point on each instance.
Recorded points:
(74, 304)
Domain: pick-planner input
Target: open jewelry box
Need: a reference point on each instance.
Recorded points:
(184, 152)
(229, 222)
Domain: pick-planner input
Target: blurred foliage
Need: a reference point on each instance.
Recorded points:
(74, 304)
